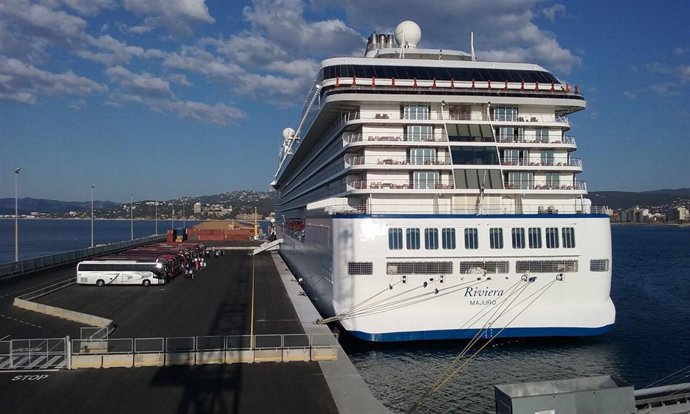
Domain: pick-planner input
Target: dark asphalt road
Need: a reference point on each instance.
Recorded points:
(217, 302)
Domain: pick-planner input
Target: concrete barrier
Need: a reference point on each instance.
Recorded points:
(118, 361)
(296, 354)
(84, 318)
(324, 354)
(180, 358)
(86, 361)
(210, 357)
(239, 356)
(149, 360)
(268, 355)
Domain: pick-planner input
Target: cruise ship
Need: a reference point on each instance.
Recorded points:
(424, 195)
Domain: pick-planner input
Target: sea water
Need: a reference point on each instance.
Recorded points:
(650, 340)
(43, 237)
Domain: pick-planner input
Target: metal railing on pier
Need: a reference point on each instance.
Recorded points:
(12, 269)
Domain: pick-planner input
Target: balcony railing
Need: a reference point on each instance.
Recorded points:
(360, 160)
(553, 186)
(568, 140)
(572, 162)
(397, 185)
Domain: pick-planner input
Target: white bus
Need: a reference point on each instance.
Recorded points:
(120, 272)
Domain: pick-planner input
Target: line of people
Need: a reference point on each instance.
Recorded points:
(198, 263)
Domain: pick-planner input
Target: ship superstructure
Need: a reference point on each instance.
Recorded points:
(427, 195)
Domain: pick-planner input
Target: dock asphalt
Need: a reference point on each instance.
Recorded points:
(217, 302)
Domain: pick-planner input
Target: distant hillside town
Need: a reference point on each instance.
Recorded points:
(659, 206)
(231, 205)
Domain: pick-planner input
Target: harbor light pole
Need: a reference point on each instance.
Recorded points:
(156, 218)
(16, 214)
(131, 215)
(184, 217)
(92, 186)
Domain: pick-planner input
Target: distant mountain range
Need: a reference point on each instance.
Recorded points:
(245, 201)
(27, 205)
(241, 202)
(626, 199)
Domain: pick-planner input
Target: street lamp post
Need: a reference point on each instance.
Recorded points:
(156, 218)
(92, 186)
(131, 215)
(16, 214)
(184, 217)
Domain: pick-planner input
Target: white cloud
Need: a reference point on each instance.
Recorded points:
(684, 73)
(22, 82)
(89, 7)
(503, 29)
(177, 16)
(143, 84)
(39, 21)
(630, 95)
(664, 89)
(552, 12)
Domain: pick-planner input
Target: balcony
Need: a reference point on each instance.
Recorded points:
(531, 185)
(396, 185)
(511, 139)
(357, 160)
(572, 162)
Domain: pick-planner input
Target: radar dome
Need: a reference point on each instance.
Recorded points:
(288, 133)
(408, 34)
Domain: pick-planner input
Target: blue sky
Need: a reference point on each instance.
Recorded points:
(170, 98)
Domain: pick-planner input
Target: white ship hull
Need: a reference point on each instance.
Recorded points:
(407, 307)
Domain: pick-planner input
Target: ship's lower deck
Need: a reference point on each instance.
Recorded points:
(419, 277)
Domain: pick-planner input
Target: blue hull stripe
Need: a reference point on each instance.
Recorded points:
(470, 333)
(470, 216)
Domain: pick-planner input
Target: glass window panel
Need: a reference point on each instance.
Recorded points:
(395, 239)
(568, 237)
(431, 239)
(551, 238)
(534, 234)
(496, 238)
(471, 239)
(518, 236)
(448, 238)
(412, 236)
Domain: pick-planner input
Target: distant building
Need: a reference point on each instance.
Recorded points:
(678, 214)
(197, 208)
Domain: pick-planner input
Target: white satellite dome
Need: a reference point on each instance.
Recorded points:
(408, 34)
(288, 133)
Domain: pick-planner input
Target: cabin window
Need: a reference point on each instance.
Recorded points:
(505, 113)
(542, 135)
(422, 156)
(425, 179)
(534, 234)
(496, 238)
(551, 238)
(419, 133)
(518, 238)
(568, 237)
(431, 239)
(471, 239)
(448, 238)
(395, 239)
(416, 111)
(522, 180)
(412, 236)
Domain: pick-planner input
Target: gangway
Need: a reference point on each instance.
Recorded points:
(268, 246)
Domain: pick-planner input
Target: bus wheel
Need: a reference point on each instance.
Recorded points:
(147, 282)
(100, 282)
